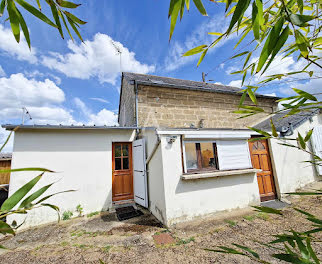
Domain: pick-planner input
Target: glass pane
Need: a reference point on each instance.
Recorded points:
(207, 155)
(125, 150)
(125, 163)
(118, 164)
(117, 150)
(191, 156)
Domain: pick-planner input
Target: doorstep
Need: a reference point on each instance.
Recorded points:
(120, 204)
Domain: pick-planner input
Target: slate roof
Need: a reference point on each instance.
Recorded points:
(184, 84)
(5, 156)
(296, 120)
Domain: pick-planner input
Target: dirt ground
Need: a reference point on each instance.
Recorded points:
(144, 240)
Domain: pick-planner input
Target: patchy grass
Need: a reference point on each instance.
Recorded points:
(250, 217)
(64, 244)
(185, 241)
(231, 223)
(263, 216)
(93, 213)
(107, 248)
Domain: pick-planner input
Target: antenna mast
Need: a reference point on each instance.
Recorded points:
(25, 112)
(119, 52)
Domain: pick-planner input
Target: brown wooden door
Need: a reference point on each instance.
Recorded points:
(261, 160)
(122, 187)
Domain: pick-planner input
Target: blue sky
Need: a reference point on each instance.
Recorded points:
(60, 81)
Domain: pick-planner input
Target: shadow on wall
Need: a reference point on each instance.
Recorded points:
(213, 183)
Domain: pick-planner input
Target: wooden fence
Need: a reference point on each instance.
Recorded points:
(5, 177)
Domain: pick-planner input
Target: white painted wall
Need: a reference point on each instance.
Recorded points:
(156, 191)
(186, 199)
(289, 170)
(82, 160)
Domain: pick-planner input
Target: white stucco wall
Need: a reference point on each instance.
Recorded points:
(186, 199)
(155, 176)
(82, 160)
(290, 172)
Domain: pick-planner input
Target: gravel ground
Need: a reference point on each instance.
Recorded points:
(86, 240)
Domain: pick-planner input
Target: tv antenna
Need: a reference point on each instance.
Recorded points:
(119, 52)
(25, 112)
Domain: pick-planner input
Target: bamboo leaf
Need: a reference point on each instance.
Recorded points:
(301, 245)
(252, 95)
(200, 7)
(255, 20)
(67, 4)
(311, 251)
(26, 169)
(240, 54)
(260, 132)
(301, 43)
(74, 18)
(270, 43)
(288, 258)
(239, 12)
(34, 196)
(280, 43)
(301, 140)
(38, 3)
(35, 12)
(253, 108)
(2, 7)
(247, 59)
(5, 143)
(5, 228)
(228, 3)
(308, 135)
(56, 17)
(274, 133)
(54, 207)
(65, 24)
(300, 20)
(268, 210)
(188, 4)
(202, 56)
(300, 5)
(226, 250)
(260, 15)
(15, 198)
(71, 22)
(195, 50)
(215, 33)
(174, 15)
(24, 28)
(14, 19)
(305, 94)
(248, 250)
(51, 195)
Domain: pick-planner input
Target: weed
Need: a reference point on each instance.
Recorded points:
(107, 248)
(250, 217)
(64, 244)
(263, 216)
(231, 222)
(185, 241)
(67, 215)
(82, 246)
(79, 209)
(93, 213)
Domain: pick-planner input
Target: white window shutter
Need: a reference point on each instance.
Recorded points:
(317, 144)
(233, 154)
(139, 173)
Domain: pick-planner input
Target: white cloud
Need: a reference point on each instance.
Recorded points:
(271, 94)
(95, 58)
(10, 47)
(2, 72)
(235, 83)
(199, 36)
(103, 117)
(36, 73)
(99, 100)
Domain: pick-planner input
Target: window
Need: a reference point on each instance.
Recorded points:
(205, 155)
(121, 155)
(201, 156)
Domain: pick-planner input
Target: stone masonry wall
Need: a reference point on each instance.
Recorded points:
(127, 109)
(169, 107)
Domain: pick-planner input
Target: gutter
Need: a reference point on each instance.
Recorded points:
(136, 103)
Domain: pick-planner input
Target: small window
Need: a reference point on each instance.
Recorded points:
(201, 156)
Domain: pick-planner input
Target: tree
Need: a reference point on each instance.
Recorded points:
(289, 28)
(58, 9)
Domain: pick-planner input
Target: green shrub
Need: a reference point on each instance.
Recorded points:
(67, 215)
(79, 209)
(93, 213)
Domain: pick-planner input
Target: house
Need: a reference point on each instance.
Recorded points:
(178, 151)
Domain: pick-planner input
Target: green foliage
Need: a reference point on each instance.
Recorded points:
(58, 10)
(185, 241)
(79, 210)
(67, 215)
(93, 213)
(231, 223)
(107, 248)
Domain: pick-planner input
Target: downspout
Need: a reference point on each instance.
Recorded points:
(136, 104)
(147, 163)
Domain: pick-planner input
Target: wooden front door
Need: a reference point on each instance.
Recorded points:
(261, 160)
(122, 186)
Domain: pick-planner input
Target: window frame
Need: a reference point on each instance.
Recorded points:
(199, 156)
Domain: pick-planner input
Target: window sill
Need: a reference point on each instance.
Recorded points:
(214, 174)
